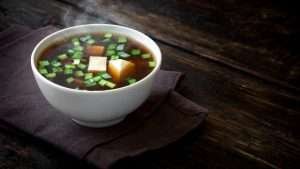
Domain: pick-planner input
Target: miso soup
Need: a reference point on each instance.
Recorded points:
(96, 62)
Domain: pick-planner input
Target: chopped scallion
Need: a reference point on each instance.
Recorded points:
(88, 76)
(146, 55)
(44, 63)
(90, 41)
(135, 52)
(120, 47)
(110, 84)
(85, 38)
(79, 73)
(102, 82)
(55, 63)
(75, 42)
(70, 80)
(122, 39)
(43, 71)
(105, 75)
(51, 75)
(62, 56)
(151, 64)
(114, 57)
(77, 55)
(90, 83)
(81, 66)
(97, 78)
(68, 71)
(110, 52)
(108, 35)
(69, 66)
(131, 80)
(70, 52)
(123, 54)
(78, 48)
(57, 69)
(111, 46)
(106, 40)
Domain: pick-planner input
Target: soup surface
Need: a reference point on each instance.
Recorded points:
(96, 62)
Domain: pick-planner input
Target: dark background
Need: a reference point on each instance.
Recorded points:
(241, 60)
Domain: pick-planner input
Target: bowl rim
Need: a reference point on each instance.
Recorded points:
(158, 60)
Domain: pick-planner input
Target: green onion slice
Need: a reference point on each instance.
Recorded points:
(88, 76)
(79, 73)
(105, 75)
(51, 75)
(135, 52)
(68, 71)
(122, 39)
(78, 48)
(57, 69)
(43, 71)
(110, 84)
(111, 46)
(131, 80)
(44, 63)
(55, 63)
(90, 41)
(70, 80)
(97, 78)
(102, 82)
(90, 83)
(146, 55)
(81, 66)
(62, 56)
(69, 66)
(110, 52)
(108, 35)
(85, 38)
(77, 55)
(114, 57)
(123, 54)
(120, 47)
(151, 64)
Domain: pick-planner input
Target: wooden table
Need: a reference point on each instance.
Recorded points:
(241, 61)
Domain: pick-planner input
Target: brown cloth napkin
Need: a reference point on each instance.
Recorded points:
(165, 117)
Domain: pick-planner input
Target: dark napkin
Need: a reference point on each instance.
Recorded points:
(165, 117)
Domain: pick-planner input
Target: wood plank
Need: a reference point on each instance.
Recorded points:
(21, 151)
(250, 122)
(271, 59)
(247, 116)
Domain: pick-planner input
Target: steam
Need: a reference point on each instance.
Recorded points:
(75, 17)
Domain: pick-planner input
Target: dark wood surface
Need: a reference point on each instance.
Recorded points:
(241, 60)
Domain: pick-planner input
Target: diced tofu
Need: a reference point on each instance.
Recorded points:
(97, 64)
(95, 50)
(120, 69)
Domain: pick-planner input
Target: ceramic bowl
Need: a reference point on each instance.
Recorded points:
(96, 108)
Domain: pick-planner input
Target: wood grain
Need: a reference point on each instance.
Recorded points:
(223, 36)
(246, 79)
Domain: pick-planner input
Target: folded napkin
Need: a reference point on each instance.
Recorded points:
(165, 117)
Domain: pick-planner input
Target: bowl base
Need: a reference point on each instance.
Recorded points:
(99, 124)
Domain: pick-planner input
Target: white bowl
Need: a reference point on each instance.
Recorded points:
(96, 108)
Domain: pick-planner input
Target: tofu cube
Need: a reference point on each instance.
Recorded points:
(120, 69)
(95, 50)
(97, 64)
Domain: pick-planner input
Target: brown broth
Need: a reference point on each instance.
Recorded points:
(142, 68)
